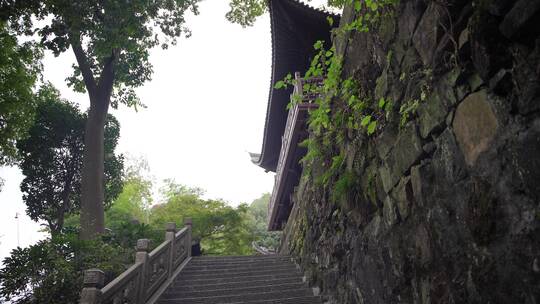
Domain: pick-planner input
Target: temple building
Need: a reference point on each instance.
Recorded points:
(295, 27)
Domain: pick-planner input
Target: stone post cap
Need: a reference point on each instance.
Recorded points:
(143, 245)
(94, 278)
(170, 227)
(188, 221)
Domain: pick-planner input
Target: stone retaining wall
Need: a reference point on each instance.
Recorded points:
(446, 208)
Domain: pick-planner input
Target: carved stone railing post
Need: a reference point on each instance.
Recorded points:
(143, 247)
(93, 282)
(189, 225)
(170, 232)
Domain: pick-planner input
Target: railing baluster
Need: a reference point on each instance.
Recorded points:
(143, 246)
(139, 283)
(93, 282)
(188, 222)
(170, 232)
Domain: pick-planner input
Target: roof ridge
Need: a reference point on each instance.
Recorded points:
(316, 9)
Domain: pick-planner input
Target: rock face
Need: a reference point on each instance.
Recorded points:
(445, 208)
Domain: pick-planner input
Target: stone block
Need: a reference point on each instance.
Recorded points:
(528, 159)
(386, 140)
(475, 126)
(403, 196)
(427, 32)
(448, 162)
(390, 215)
(406, 151)
(416, 184)
(431, 114)
(518, 17)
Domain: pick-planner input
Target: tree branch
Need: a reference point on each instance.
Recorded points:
(84, 66)
(106, 79)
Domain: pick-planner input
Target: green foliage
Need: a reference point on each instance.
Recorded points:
(368, 14)
(343, 185)
(222, 229)
(258, 222)
(51, 271)
(133, 203)
(52, 159)
(104, 33)
(19, 69)
(406, 110)
(244, 12)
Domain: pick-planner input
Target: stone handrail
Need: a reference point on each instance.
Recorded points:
(144, 281)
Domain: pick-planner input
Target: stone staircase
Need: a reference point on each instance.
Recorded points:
(239, 279)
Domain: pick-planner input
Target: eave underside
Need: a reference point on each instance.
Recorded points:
(295, 28)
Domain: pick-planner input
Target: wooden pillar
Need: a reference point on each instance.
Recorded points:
(189, 224)
(143, 247)
(170, 233)
(93, 282)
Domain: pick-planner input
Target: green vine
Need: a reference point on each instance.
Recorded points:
(343, 109)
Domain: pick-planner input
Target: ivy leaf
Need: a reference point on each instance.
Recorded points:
(318, 45)
(382, 102)
(330, 20)
(371, 127)
(357, 5)
(279, 85)
(352, 100)
(365, 121)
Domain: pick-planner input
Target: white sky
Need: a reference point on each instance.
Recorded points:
(206, 109)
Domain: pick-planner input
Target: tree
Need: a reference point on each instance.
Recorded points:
(244, 12)
(221, 229)
(19, 69)
(258, 221)
(51, 271)
(52, 159)
(133, 203)
(111, 42)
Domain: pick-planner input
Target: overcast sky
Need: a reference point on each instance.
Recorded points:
(206, 109)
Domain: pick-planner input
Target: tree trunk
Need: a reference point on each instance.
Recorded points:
(92, 183)
(92, 188)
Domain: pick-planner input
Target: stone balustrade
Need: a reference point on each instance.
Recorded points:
(144, 281)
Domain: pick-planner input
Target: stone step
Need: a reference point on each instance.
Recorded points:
(178, 286)
(237, 265)
(273, 295)
(240, 290)
(240, 257)
(209, 270)
(223, 260)
(240, 280)
(190, 282)
(300, 300)
(235, 274)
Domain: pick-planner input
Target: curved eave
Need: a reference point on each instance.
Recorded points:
(295, 27)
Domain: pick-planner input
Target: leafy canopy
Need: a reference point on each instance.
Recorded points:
(52, 159)
(222, 229)
(19, 69)
(103, 33)
(51, 271)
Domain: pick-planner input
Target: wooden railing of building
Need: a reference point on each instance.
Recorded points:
(304, 101)
(144, 281)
